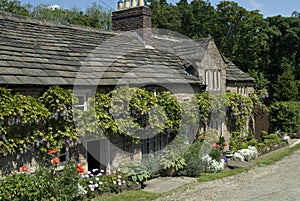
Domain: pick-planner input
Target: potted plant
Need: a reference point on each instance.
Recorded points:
(171, 162)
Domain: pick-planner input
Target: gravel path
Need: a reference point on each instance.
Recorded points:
(280, 181)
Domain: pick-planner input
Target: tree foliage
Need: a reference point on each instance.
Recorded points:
(264, 47)
(14, 6)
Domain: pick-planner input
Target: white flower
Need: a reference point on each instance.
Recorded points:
(237, 157)
(211, 165)
(249, 153)
(81, 190)
(97, 179)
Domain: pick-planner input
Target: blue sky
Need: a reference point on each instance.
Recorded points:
(267, 7)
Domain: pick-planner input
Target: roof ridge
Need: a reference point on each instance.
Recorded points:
(20, 18)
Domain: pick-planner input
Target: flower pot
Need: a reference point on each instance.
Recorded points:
(171, 171)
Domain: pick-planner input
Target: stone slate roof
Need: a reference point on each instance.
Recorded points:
(234, 74)
(36, 52)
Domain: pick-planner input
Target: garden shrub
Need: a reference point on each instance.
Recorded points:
(270, 139)
(44, 184)
(193, 160)
(243, 145)
(65, 184)
(22, 187)
(252, 142)
(152, 165)
(275, 138)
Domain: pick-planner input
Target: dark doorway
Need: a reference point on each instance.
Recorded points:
(97, 154)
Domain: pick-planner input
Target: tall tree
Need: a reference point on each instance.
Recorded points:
(187, 18)
(241, 35)
(14, 6)
(204, 18)
(165, 16)
(285, 87)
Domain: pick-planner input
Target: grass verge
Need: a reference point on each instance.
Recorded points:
(219, 175)
(140, 195)
(137, 195)
(272, 158)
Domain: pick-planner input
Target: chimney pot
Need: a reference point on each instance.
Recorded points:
(141, 3)
(127, 4)
(133, 3)
(120, 5)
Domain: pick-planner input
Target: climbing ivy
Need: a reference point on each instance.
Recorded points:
(47, 122)
(239, 110)
(131, 112)
(59, 127)
(21, 122)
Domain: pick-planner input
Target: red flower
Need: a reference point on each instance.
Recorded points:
(23, 168)
(52, 151)
(79, 168)
(218, 146)
(55, 160)
(225, 144)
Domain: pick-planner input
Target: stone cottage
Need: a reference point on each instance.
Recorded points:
(37, 54)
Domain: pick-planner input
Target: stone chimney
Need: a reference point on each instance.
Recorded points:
(134, 17)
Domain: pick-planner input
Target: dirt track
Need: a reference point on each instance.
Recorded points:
(280, 181)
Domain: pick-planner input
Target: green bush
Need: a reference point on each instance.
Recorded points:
(152, 164)
(45, 184)
(193, 160)
(284, 116)
(65, 186)
(252, 142)
(243, 145)
(260, 146)
(270, 139)
(275, 138)
(24, 186)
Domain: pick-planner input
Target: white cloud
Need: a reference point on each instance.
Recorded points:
(55, 6)
(255, 4)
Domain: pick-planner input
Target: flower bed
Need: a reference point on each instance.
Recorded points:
(70, 183)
